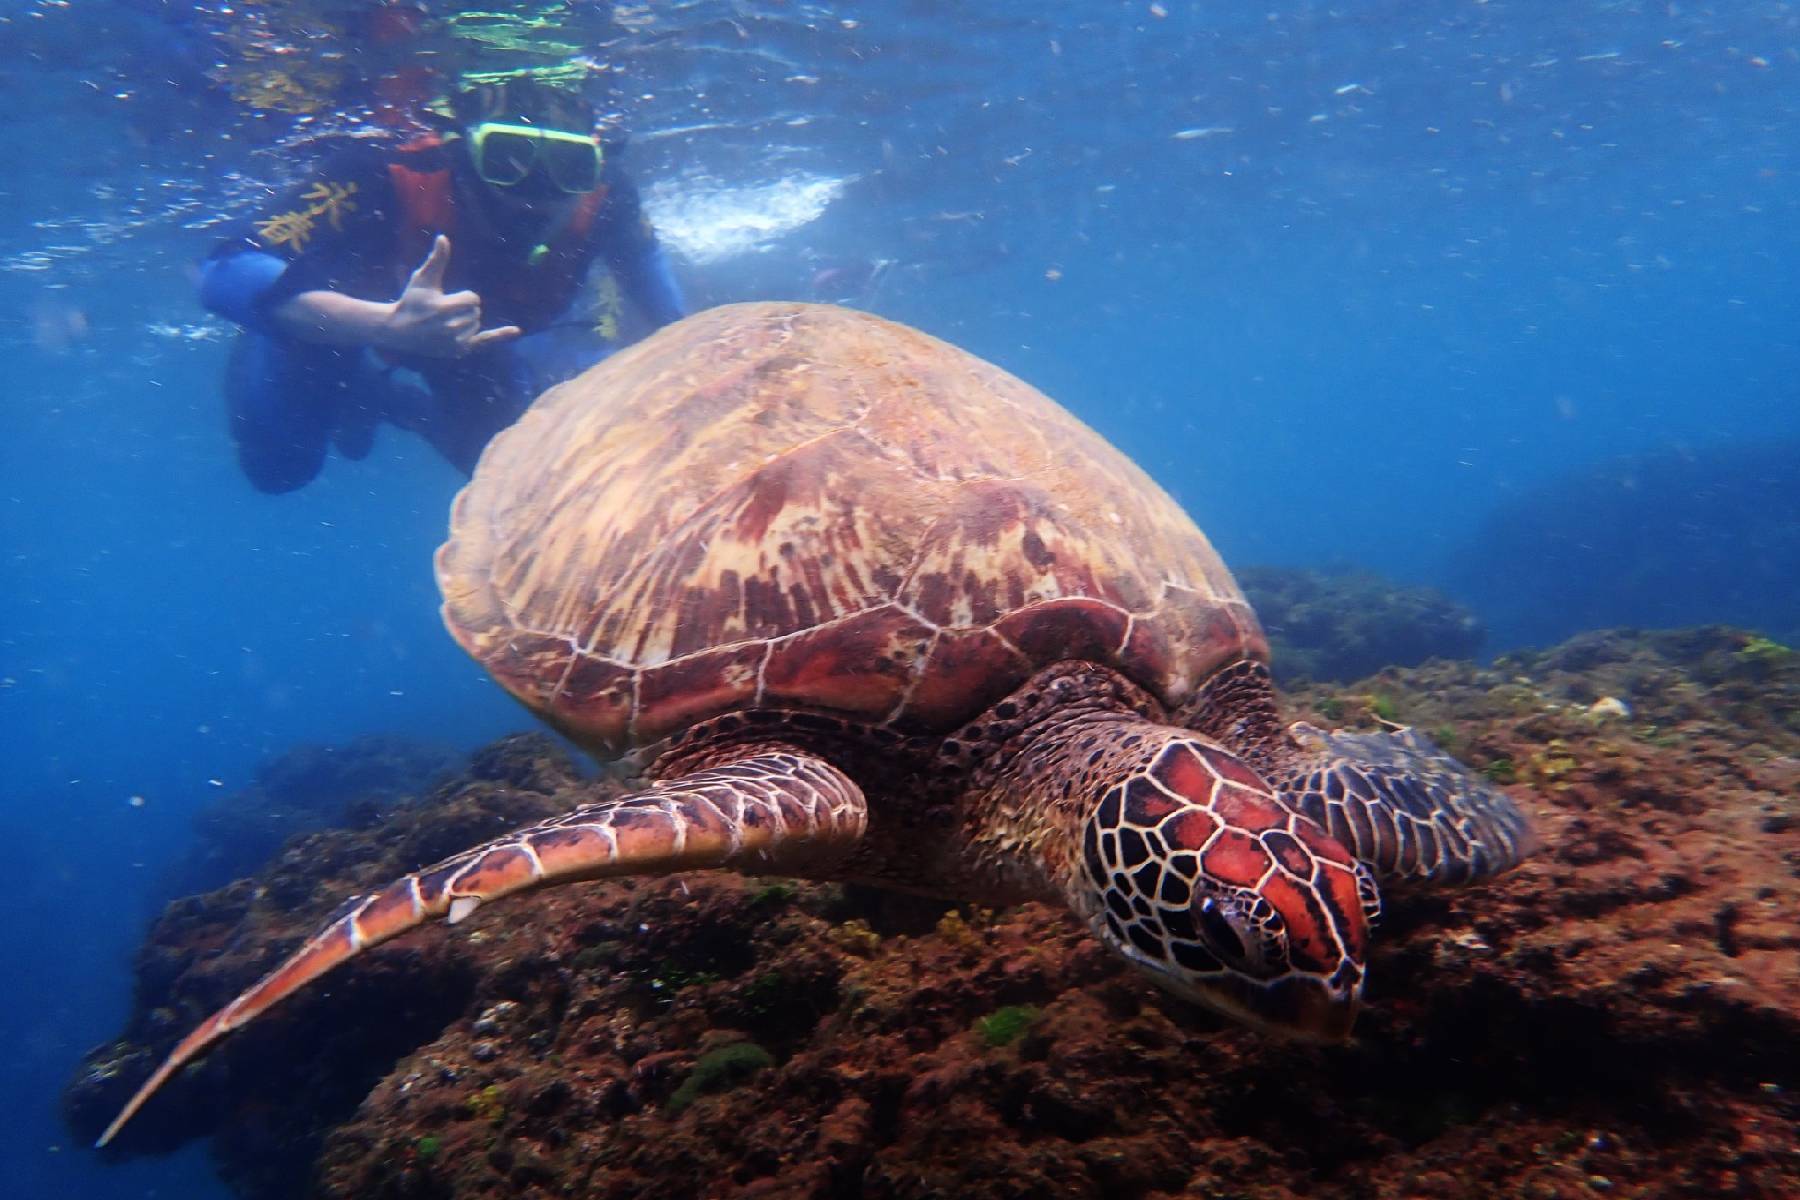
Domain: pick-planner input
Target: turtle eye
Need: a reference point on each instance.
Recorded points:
(1244, 933)
(1216, 928)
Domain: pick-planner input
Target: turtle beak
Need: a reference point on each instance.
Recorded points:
(1307, 1009)
(1296, 1007)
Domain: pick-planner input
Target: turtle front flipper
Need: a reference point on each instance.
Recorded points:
(776, 810)
(1400, 804)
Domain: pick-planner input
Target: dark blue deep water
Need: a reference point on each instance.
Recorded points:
(1354, 281)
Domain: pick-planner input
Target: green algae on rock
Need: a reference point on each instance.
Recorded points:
(719, 1070)
(1007, 1025)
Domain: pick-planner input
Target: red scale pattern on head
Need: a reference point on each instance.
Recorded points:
(1189, 830)
(1289, 854)
(1247, 810)
(1180, 770)
(1311, 944)
(1339, 886)
(1146, 804)
(1232, 768)
(1236, 859)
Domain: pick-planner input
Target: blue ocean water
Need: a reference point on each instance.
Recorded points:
(1345, 279)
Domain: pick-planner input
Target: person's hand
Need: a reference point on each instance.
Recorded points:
(426, 321)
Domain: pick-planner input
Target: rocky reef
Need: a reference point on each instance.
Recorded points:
(1620, 1017)
(1341, 625)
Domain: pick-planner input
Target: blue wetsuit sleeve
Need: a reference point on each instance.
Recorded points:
(636, 259)
(649, 281)
(326, 232)
(235, 282)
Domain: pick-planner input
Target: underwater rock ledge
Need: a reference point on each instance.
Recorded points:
(1619, 1017)
(1336, 626)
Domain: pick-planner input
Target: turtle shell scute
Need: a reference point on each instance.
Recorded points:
(786, 506)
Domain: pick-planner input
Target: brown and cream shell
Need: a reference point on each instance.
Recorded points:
(792, 506)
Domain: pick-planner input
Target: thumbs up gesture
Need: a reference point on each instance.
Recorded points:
(430, 322)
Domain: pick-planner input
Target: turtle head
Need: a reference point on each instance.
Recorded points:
(1195, 874)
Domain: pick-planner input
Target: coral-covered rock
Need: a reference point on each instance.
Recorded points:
(1344, 625)
(1619, 1017)
(269, 1099)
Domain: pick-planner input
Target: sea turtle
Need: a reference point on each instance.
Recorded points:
(869, 608)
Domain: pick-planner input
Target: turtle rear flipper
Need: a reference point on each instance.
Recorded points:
(776, 809)
(1401, 805)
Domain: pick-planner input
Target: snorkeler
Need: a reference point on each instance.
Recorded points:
(427, 285)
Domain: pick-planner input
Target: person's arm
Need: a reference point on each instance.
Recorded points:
(646, 277)
(634, 256)
(302, 272)
(333, 319)
(424, 321)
